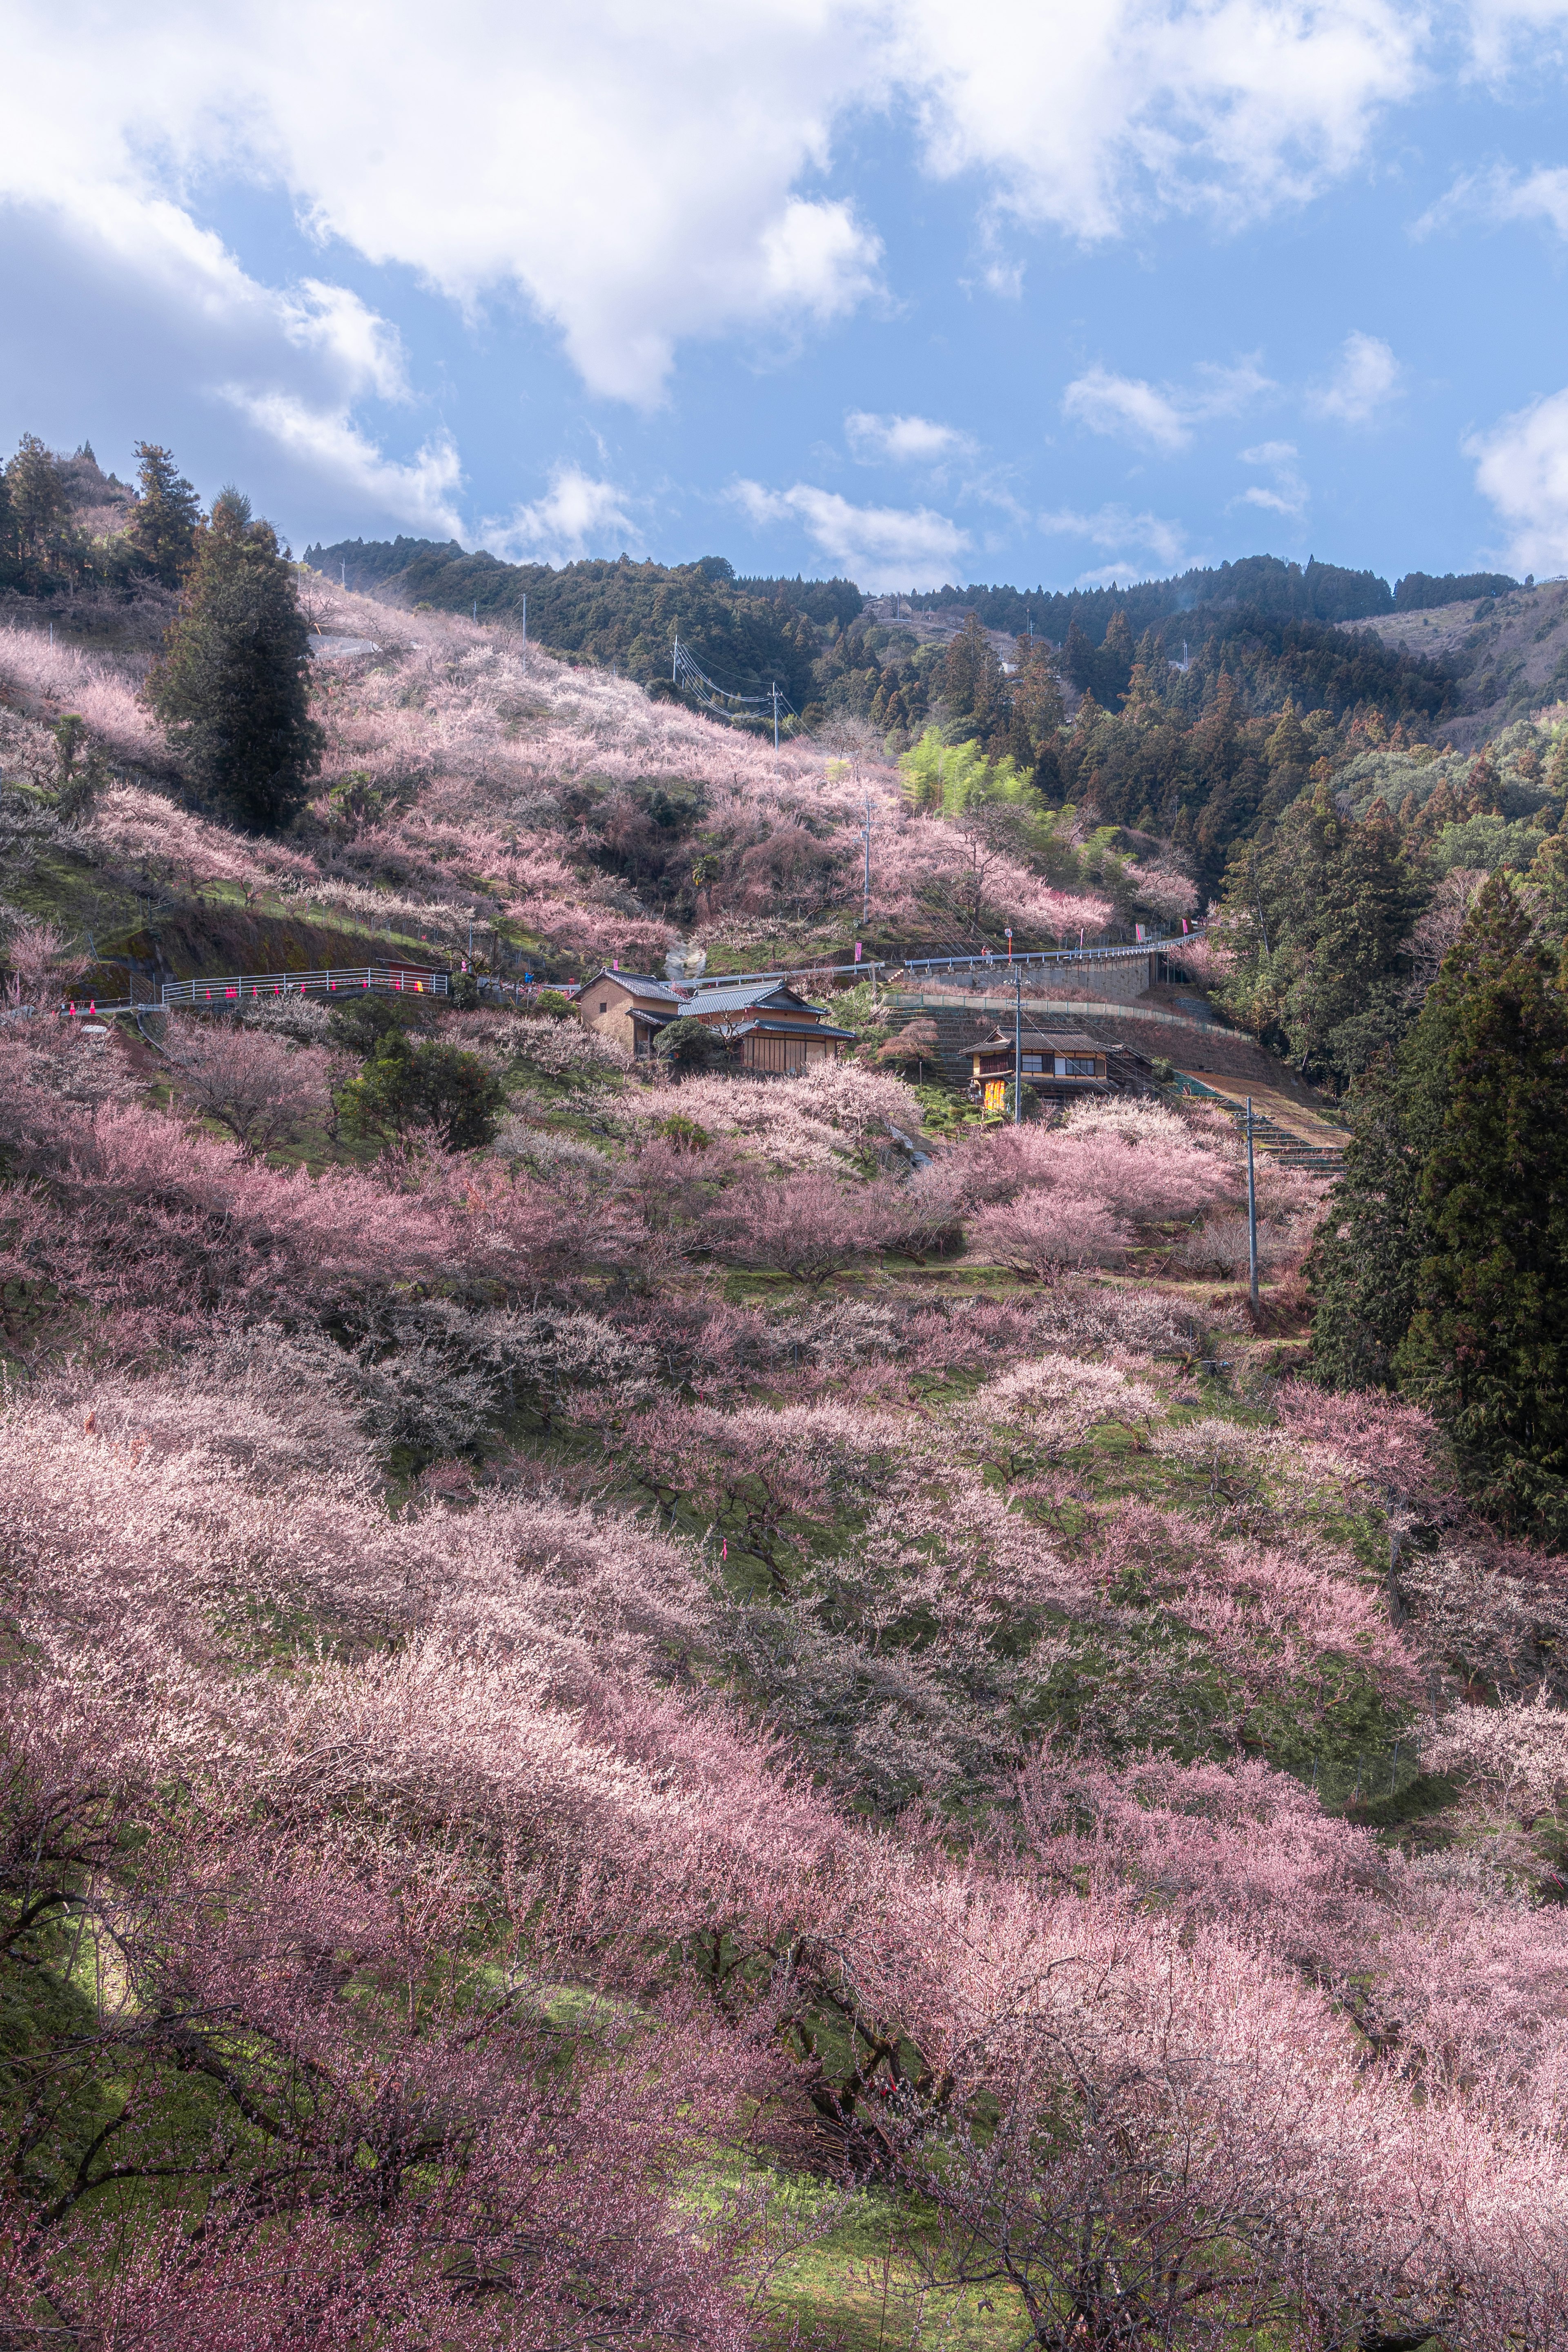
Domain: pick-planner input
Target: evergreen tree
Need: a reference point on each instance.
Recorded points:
(1364, 1266)
(1116, 658)
(1320, 915)
(1289, 752)
(36, 497)
(10, 538)
(1486, 1072)
(972, 679)
(164, 516)
(232, 686)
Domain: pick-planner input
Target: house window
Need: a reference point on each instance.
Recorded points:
(604, 1003)
(1034, 1061)
(1075, 1066)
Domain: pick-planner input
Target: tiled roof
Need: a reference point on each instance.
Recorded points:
(1061, 1041)
(742, 996)
(641, 983)
(792, 1029)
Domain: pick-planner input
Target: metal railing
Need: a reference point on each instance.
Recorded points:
(227, 994)
(1127, 951)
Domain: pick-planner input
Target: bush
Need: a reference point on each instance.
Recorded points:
(689, 1044)
(406, 1087)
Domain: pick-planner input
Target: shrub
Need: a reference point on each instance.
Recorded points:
(690, 1045)
(438, 1089)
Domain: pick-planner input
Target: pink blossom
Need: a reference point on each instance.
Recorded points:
(1041, 1232)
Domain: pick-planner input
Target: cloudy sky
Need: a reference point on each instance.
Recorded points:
(1039, 290)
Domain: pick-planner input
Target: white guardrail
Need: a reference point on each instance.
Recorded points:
(227, 994)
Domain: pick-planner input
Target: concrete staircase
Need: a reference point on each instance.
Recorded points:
(1285, 1144)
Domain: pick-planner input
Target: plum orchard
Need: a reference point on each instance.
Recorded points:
(506, 1730)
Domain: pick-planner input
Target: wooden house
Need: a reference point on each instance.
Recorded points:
(629, 1006)
(765, 1025)
(1058, 1064)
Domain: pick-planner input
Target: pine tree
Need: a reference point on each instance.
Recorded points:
(1289, 752)
(232, 686)
(1487, 1069)
(1115, 665)
(971, 676)
(1365, 1265)
(164, 516)
(37, 499)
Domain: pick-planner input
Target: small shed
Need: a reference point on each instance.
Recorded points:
(1056, 1062)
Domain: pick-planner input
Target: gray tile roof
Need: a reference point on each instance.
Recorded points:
(743, 996)
(1059, 1041)
(641, 983)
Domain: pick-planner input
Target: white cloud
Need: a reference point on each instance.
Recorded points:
(332, 449)
(1522, 467)
(1287, 495)
(878, 547)
(1126, 404)
(1086, 118)
(1504, 33)
(639, 179)
(1161, 417)
(104, 304)
(903, 440)
(1363, 386)
(1144, 541)
(1502, 196)
(579, 515)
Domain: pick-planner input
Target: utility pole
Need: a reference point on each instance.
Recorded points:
(1251, 1212)
(866, 885)
(525, 631)
(1018, 1047)
(674, 661)
(774, 691)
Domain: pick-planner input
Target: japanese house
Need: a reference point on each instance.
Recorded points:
(765, 1025)
(1058, 1064)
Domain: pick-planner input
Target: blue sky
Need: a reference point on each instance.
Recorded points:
(1040, 292)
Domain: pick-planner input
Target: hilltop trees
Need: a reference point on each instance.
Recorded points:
(164, 516)
(231, 687)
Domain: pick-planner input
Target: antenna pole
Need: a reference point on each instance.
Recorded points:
(1251, 1212)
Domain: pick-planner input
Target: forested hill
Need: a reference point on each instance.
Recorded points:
(1271, 625)
(625, 615)
(1262, 584)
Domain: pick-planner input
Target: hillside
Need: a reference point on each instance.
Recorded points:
(556, 810)
(649, 1707)
(1508, 651)
(651, 1687)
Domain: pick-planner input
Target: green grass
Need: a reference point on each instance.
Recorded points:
(852, 2269)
